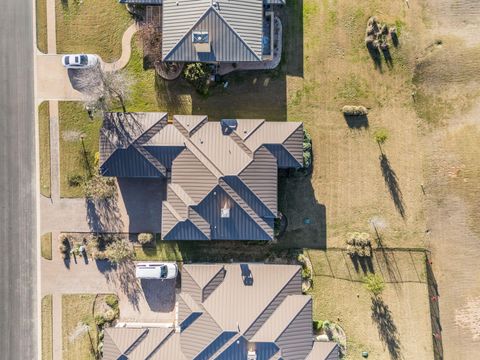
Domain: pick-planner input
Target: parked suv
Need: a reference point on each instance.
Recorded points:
(159, 271)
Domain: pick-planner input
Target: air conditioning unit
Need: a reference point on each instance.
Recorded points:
(251, 355)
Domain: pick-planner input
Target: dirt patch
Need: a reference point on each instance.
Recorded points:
(72, 135)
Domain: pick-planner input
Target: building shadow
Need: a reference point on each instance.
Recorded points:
(307, 218)
(103, 215)
(387, 330)
(356, 122)
(143, 198)
(291, 15)
(393, 186)
(159, 294)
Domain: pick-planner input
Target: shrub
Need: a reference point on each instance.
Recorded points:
(119, 251)
(306, 273)
(381, 136)
(75, 180)
(307, 149)
(110, 315)
(99, 187)
(359, 244)
(100, 320)
(197, 74)
(145, 238)
(350, 110)
(112, 301)
(317, 326)
(374, 283)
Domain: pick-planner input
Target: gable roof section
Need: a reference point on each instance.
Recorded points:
(234, 301)
(129, 163)
(324, 351)
(202, 274)
(276, 324)
(185, 230)
(235, 29)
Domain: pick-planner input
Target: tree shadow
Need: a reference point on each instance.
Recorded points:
(307, 218)
(387, 330)
(159, 294)
(356, 122)
(388, 57)
(362, 262)
(433, 295)
(103, 215)
(375, 55)
(391, 181)
(77, 80)
(395, 41)
(124, 277)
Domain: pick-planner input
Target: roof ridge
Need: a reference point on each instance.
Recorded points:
(296, 315)
(195, 150)
(190, 208)
(261, 223)
(164, 340)
(181, 193)
(254, 129)
(222, 268)
(150, 158)
(273, 299)
(173, 211)
(160, 121)
(226, 345)
(237, 34)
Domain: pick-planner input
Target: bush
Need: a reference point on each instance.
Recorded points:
(100, 320)
(145, 238)
(99, 187)
(374, 283)
(75, 180)
(112, 301)
(110, 315)
(307, 149)
(64, 246)
(197, 74)
(380, 136)
(350, 110)
(119, 251)
(306, 273)
(317, 326)
(359, 244)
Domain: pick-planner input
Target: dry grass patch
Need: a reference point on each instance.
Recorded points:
(77, 155)
(79, 330)
(381, 326)
(41, 23)
(44, 148)
(46, 246)
(91, 26)
(350, 185)
(47, 328)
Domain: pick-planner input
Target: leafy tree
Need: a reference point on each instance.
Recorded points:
(119, 251)
(374, 283)
(145, 238)
(197, 74)
(381, 136)
(99, 187)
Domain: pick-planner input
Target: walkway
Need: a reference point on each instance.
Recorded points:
(126, 50)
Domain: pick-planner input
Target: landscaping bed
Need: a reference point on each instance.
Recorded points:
(92, 27)
(83, 318)
(41, 23)
(46, 246)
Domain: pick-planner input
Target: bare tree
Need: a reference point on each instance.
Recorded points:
(104, 88)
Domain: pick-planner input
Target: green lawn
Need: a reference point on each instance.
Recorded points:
(47, 330)
(77, 156)
(46, 246)
(216, 251)
(41, 22)
(91, 26)
(44, 148)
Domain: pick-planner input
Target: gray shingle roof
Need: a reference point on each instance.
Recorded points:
(214, 165)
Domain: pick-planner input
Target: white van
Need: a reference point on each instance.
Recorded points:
(158, 271)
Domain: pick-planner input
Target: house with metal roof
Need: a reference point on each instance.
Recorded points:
(215, 31)
(221, 176)
(230, 312)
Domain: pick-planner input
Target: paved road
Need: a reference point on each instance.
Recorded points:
(17, 183)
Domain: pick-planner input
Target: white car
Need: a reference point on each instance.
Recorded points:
(157, 271)
(79, 61)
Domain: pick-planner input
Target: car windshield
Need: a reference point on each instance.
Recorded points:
(67, 60)
(83, 59)
(163, 272)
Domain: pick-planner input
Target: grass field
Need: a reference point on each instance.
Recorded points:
(44, 148)
(383, 327)
(46, 246)
(264, 92)
(41, 22)
(47, 330)
(91, 26)
(77, 156)
(77, 317)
